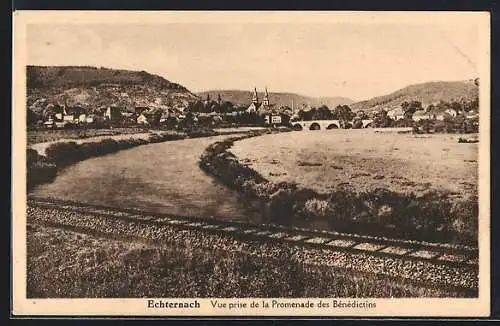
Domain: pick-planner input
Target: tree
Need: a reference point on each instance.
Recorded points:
(357, 123)
(322, 113)
(457, 106)
(309, 115)
(196, 106)
(187, 122)
(409, 108)
(302, 115)
(382, 120)
(31, 117)
(343, 113)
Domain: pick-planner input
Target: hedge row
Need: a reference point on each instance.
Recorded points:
(42, 169)
(381, 212)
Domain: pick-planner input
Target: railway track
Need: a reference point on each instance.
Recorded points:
(435, 253)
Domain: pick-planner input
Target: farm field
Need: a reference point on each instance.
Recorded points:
(363, 161)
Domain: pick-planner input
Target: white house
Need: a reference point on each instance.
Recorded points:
(141, 119)
(421, 115)
(112, 113)
(69, 118)
(451, 112)
(396, 114)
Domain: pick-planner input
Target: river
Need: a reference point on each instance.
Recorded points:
(161, 177)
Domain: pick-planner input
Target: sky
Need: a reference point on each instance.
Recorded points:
(355, 60)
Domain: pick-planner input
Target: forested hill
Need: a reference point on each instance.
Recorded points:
(239, 97)
(94, 87)
(427, 93)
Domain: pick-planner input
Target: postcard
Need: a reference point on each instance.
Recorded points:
(256, 163)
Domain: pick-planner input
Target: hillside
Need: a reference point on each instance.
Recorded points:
(427, 93)
(239, 97)
(94, 87)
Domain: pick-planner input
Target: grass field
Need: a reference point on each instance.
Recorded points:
(364, 160)
(67, 264)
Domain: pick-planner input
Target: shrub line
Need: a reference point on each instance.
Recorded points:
(382, 212)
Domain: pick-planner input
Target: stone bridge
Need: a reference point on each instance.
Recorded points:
(325, 124)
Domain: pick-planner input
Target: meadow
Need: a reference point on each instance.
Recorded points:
(364, 160)
(422, 187)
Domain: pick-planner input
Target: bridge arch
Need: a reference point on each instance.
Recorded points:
(367, 123)
(297, 127)
(332, 126)
(315, 126)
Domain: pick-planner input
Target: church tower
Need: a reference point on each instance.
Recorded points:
(255, 99)
(265, 102)
(207, 100)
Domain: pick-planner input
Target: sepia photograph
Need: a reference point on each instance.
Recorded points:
(197, 161)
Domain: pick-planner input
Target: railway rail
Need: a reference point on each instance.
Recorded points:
(435, 253)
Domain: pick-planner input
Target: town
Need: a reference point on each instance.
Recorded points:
(442, 116)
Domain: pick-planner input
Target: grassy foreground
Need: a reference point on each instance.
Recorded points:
(67, 264)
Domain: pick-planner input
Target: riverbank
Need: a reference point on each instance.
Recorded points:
(44, 160)
(87, 255)
(430, 216)
(45, 136)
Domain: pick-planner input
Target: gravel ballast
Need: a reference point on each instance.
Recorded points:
(412, 270)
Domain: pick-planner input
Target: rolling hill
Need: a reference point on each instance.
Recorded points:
(427, 93)
(239, 97)
(92, 87)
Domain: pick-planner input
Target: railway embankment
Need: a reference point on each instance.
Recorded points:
(251, 260)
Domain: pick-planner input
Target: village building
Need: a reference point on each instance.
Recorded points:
(139, 109)
(58, 116)
(265, 107)
(142, 120)
(49, 123)
(451, 112)
(91, 118)
(68, 118)
(112, 113)
(267, 110)
(396, 114)
(433, 114)
(472, 114)
(252, 108)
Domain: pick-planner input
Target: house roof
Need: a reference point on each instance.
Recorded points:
(396, 111)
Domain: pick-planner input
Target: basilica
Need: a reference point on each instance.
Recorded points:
(260, 108)
(265, 109)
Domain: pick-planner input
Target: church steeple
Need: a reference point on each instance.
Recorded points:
(265, 102)
(255, 98)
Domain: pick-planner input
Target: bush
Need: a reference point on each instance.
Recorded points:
(63, 154)
(464, 220)
(38, 170)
